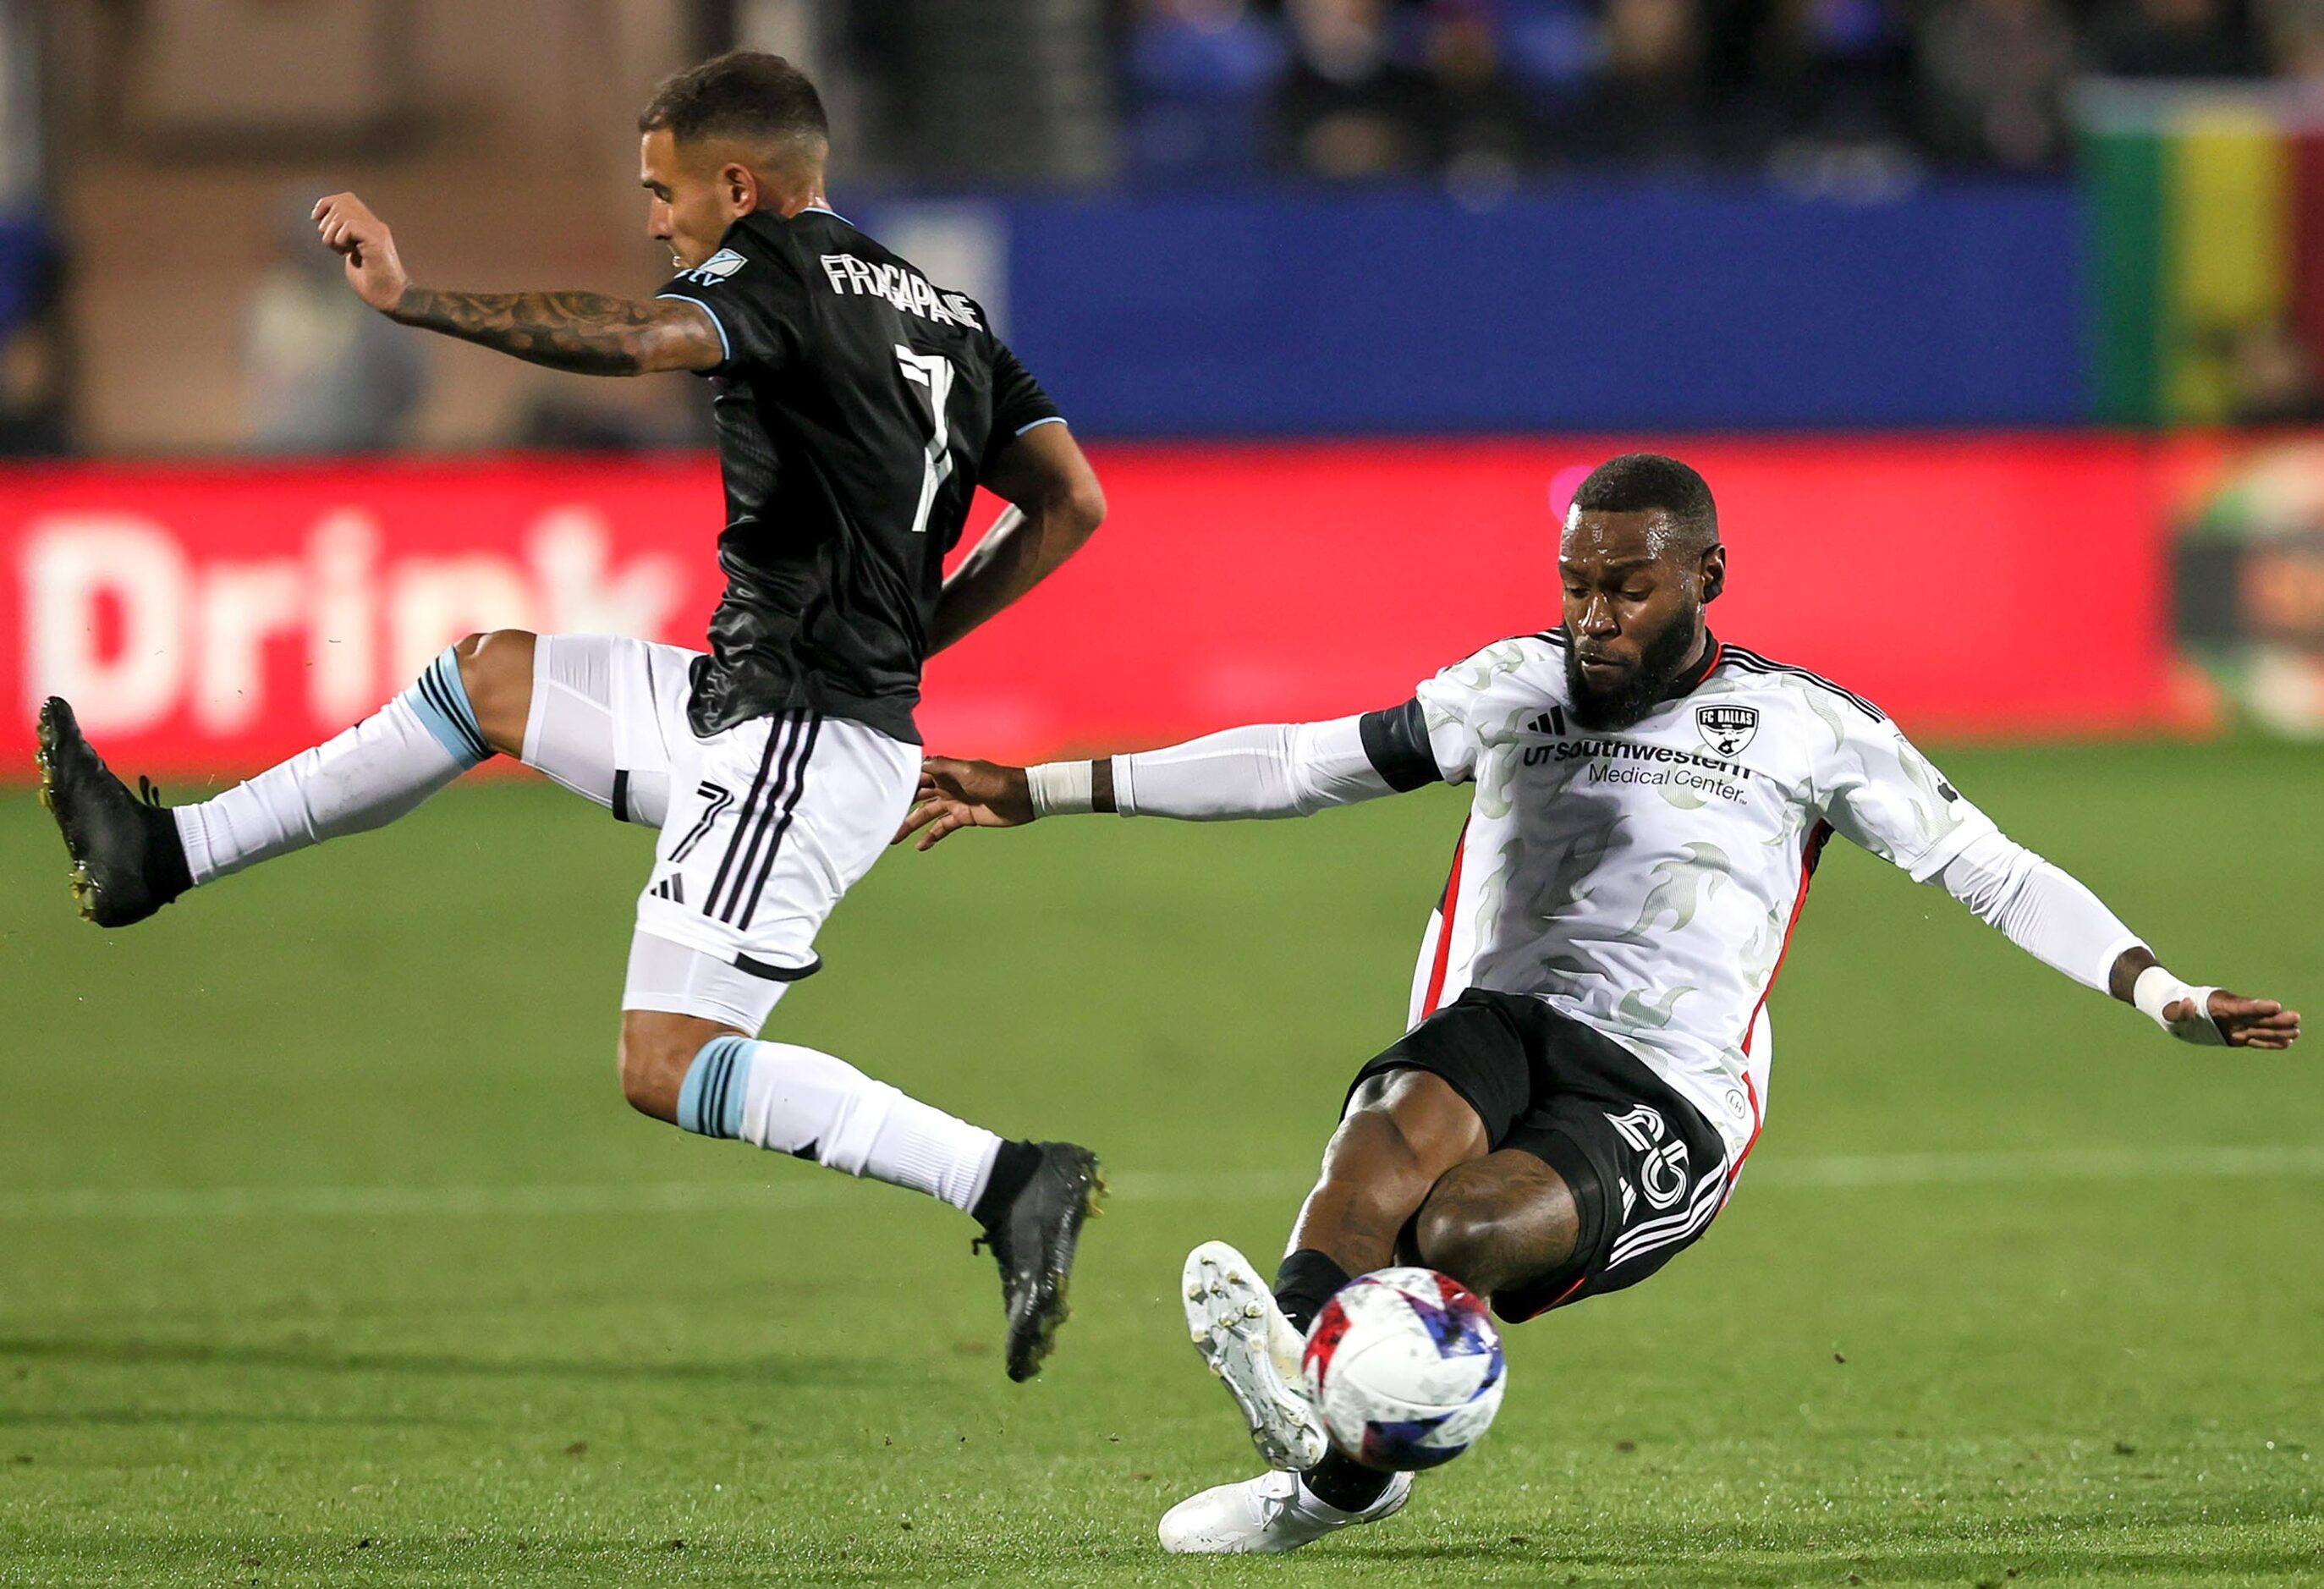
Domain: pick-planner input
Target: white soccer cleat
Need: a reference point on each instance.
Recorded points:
(1270, 1514)
(1244, 1337)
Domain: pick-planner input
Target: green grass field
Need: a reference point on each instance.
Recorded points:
(330, 1255)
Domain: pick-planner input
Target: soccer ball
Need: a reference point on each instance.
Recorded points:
(1406, 1368)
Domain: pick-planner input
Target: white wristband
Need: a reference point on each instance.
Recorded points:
(1061, 787)
(2156, 989)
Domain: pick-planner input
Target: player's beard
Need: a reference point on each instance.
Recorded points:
(1639, 691)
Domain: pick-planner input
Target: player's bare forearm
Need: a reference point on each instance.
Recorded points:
(1057, 507)
(587, 333)
(1016, 554)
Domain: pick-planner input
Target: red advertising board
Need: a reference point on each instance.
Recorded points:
(209, 619)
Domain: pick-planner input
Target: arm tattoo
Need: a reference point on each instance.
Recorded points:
(589, 333)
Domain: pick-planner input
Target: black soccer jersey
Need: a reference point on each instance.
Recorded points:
(857, 407)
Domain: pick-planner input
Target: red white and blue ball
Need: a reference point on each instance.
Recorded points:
(1406, 1367)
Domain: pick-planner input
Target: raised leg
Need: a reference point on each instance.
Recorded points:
(467, 705)
(131, 857)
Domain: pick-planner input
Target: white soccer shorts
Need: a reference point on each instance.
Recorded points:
(764, 825)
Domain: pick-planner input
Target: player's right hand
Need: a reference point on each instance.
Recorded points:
(348, 227)
(965, 794)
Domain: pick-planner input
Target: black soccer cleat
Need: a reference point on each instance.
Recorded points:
(1033, 1240)
(128, 859)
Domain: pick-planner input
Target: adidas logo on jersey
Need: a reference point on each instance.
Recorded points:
(715, 269)
(671, 888)
(1551, 722)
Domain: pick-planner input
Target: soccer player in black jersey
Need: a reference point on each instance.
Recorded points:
(858, 405)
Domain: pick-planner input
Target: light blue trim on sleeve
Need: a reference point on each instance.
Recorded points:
(725, 348)
(1051, 419)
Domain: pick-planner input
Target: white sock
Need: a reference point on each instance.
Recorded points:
(803, 1101)
(365, 778)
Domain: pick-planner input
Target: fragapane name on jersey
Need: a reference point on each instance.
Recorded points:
(908, 290)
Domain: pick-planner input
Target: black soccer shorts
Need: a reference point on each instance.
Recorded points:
(1646, 1170)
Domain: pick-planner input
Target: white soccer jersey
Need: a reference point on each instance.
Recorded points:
(1646, 881)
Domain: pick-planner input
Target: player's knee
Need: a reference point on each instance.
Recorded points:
(1370, 1144)
(652, 1069)
(1456, 1237)
(1404, 1124)
(656, 1051)
(496, 672)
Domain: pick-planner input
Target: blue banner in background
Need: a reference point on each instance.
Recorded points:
(25, 253)
(1580, 308)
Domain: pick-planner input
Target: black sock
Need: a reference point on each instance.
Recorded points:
(1306, 1280)
(1013, 1168)
(166, 871)
(1348, 1485)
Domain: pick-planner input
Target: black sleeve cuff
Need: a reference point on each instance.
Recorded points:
(1396, 741)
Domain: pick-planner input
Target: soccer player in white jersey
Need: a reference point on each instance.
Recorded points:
(1586, 1069)
(858, 407)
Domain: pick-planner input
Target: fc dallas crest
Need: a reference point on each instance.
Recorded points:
(1727, 730)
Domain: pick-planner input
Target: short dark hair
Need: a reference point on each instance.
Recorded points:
(742, 94)
(1642, 482)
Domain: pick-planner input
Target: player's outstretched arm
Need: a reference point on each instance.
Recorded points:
(2056, 918)
(1057, 506)
(1888, 796)
(1267, 770)
(588, 333)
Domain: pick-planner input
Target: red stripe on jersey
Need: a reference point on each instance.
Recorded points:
(1445, 926)
(1808, 859)
(1749, 1142)
(1809, 856)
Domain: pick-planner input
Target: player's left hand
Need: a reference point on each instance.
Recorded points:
(347, 228)
(2241, 1023)
(957, 794)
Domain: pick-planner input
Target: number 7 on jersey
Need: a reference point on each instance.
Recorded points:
(933, 373)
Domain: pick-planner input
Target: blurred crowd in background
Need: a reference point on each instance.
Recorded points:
(1351, 90)
(213, 122)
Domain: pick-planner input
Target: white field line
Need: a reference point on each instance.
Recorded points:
(1869, 1170)
(2067, 1164)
